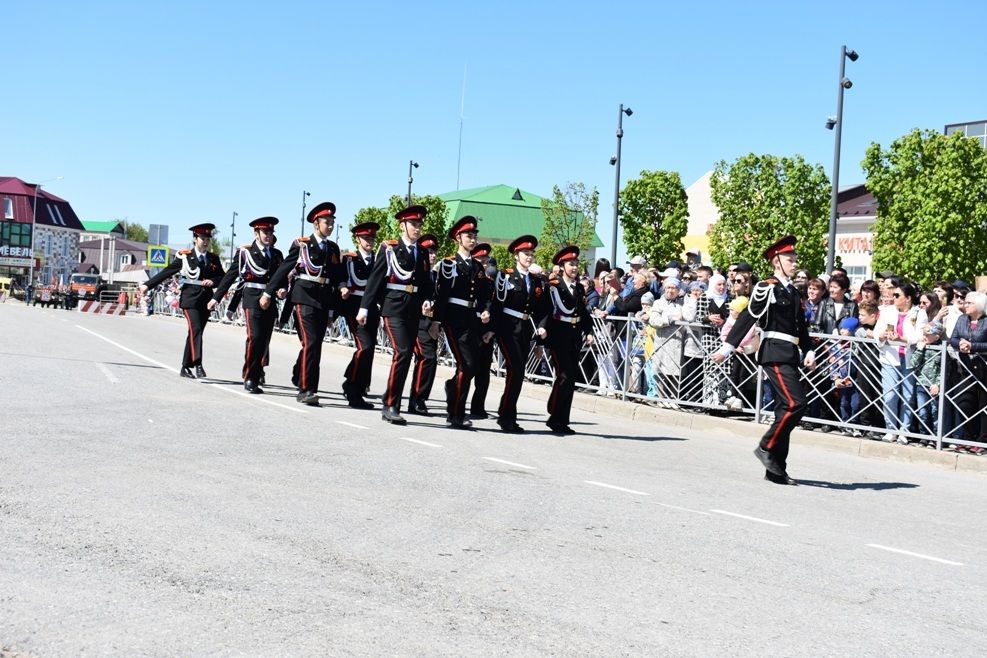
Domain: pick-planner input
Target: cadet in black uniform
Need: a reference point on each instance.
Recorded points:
(401, 284)
(256, 262)
(458, 310)
(358, 265)
(200, 270)
(518, 304)
(776, 307)
(484, 354)
(426, 346)
(314, 261)
(564, 328)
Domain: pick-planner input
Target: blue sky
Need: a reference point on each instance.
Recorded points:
(183, 112)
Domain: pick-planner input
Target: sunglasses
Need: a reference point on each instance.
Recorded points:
(897, 295)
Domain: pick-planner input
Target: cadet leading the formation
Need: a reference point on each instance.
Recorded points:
(315, 269)
(776, 307)
(199, 271)
(401, 285)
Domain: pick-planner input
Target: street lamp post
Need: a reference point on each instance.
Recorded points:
(304, 194)
(837, 123)
(34, 223)
(615, 161)
(232, 236)
(411, 163)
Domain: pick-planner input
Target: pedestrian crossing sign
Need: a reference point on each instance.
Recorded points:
(157, 255)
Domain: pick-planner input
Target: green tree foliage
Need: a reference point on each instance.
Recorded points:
(932, 197)
(763, 197)
(504, 258)
(435, 221)
(570, 219)
(654, 212)
(135, 232)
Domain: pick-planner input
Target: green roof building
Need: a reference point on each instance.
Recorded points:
(504, 212)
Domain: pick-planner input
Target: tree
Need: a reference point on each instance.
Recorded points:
(135, 232)
(654, 211)
(504, 257)
(931, 191)
(763, 197)
(435, 221)
(570, 219)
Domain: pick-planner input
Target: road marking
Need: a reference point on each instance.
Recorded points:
(504, 461)
(419, 442)
(750, 518)
(919, 555)
(684, 509)
(616, 488)
(359, 427)
(109, 375)
(257, 398)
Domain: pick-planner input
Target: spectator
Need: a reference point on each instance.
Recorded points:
(637, 263)
(801, 282)
(870, 292)
(742, 284)
(743, 370)
(969, 339)
(630, 304)
(719, 310)
(704, 273)
(927, 365)
(815, 294)
(665, 315)
(844, 373)
(899, 328)
(837, 306)
(868, 359)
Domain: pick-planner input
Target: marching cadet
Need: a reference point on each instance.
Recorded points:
(564, 328)
(315, 263)
(518, 304)
(400, 283)
(484, 354)
(358, 265)
(776, 307)
(426, 346)
(456, 308)
(199, 270)
(256, 262)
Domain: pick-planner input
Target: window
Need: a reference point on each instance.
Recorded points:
(124, 260)
(8, 208)
(15, 234)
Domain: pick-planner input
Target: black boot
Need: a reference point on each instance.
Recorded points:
(393, 415)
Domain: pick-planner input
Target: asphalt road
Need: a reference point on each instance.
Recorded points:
(144, 514)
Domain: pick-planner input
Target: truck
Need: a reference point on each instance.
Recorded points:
(84, 286)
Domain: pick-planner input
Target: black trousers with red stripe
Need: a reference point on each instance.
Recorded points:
(401, 332)
(311, 323)
(481, 378)
(564, 344)
(515, 350)
(464, 343)
(789, 408)
(196, 319)
(426, 353)
(260, 326)
(358, 372)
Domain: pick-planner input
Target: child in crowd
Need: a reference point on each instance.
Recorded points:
(926, 362)
(867, 356)
(742, 367)
(844, 374)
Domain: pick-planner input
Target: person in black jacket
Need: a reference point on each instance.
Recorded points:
(484, 353)
(315, 263)
(775, 305)
(838, 306)
(426, 345)
(200, 270)
(256, 263)
(358, 265)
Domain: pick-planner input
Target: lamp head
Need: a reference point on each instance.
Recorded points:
(628, 111)
(852, 55)
(830, 123)
(846, 83)
(613, 159)
(414, 164)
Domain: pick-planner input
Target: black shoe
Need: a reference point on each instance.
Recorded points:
(768, 461)
(779, 479)
(250, 387)
(479, 415)
(458, 422)
(417, 407)
(393, 416)
(186, 372)
(199, 372)
(311, 398)
(358, 403)
(561, 429)
(511, 429)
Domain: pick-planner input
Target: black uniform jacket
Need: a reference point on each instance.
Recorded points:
(357, 276)
(511, 293)
(461, 279)
(776, 308)
(252, 267)
(566, 316)
(323, 263)
(410, 279)
(187, 265)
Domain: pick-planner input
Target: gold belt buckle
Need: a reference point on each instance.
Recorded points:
(471, 305)
(796, 340)
(525, 316)
(574, 320)
(409, 288)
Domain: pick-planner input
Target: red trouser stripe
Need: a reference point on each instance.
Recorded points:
(303, 378)
(509, 379)
(389, 397)
(459, 365)
(788, 410)
(250, 344)
(419, 367)
(191, 334)
(555, 387)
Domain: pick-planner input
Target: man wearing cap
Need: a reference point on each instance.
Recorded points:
(314, 262)
(564, 328)
(401, 285)
(484, 354)
(519, 303)
(637, 264)
(199, 270)
(256, 263)
(776, 307)
(426, 345)
(358, 265)
(460, 308)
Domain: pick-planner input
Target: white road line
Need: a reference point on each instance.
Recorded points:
(504, 461)
(616, 488)
(109, 375)
(684, 509)
(419, 442)
(359, 427)
(919, 555)
(256, 398)
(750, 518)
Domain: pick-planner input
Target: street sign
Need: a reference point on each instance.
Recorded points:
(157, 255)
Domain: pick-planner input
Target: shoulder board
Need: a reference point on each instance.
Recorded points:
(349, 254)
(770, 281)
(510, 270)
(450, 259)
(554, 280)
(247, 246)
(184, 252)
(304, 238)
(392, 243)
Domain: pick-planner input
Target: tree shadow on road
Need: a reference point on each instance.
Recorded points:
(856, 486)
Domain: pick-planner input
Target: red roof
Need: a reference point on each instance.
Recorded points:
(28, 199)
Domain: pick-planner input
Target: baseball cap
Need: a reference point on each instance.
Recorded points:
(638, 260)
